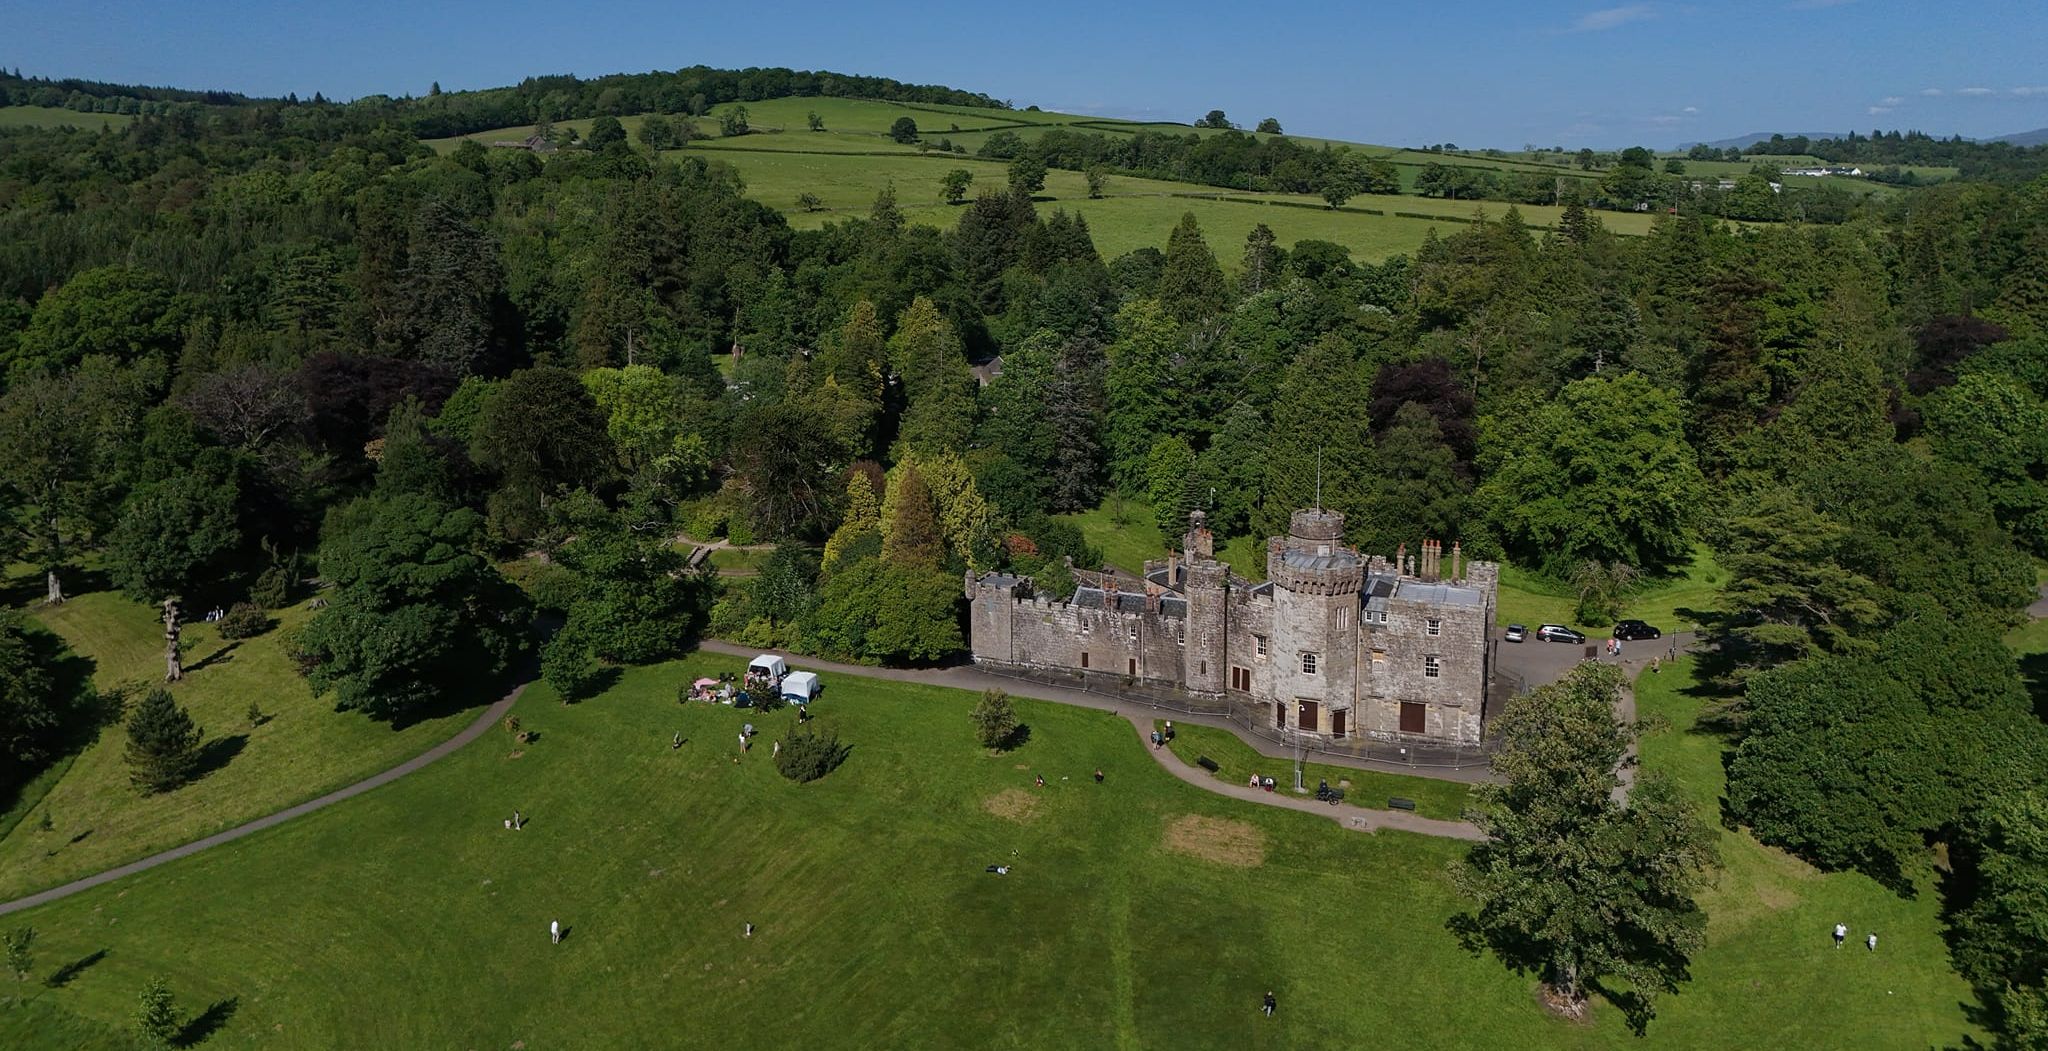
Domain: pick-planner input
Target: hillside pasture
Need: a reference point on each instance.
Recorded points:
(58, 117)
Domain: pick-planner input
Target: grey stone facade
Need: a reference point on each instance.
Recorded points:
(1333, 643)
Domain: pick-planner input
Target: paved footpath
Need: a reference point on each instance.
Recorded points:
(483, 722)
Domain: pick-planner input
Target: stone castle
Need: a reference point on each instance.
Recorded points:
(1333, 643)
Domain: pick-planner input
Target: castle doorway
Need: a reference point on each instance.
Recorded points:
(1414, 717)
(1307, 716)
(1337, 723)
(1280, 714)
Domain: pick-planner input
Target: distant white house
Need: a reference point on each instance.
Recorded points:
(1833, 169)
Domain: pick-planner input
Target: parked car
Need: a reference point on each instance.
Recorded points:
(1517, 633)
(1633, 630)
(1558, 633)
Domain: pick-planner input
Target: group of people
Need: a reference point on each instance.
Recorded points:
(1260, 782)
(215, 613)
(1842, 935)
(1161, 738)
(1613, 647)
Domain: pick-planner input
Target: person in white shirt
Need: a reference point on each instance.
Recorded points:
(1841, 933)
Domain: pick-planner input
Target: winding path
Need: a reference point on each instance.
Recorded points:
(474, 730)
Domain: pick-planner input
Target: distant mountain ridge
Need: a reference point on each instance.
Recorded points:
(2037, 137)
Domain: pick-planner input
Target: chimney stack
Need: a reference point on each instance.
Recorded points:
(1401, 560)
(1432, 556)
(1457, 557)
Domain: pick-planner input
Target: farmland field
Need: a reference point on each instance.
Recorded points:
(57, 117)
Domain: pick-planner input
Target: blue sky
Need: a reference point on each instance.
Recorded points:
(1477, 73)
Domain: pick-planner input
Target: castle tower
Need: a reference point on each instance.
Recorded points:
(1316, 584)
(1207, 586)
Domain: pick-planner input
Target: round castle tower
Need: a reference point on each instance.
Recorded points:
(1316, 585)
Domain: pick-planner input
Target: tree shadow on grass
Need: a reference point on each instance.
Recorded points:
(207, 1022)
(218, 753)
(63, 976)
(220, 656)
(1017, 738)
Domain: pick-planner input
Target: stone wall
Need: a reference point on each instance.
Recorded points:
(1041, 632)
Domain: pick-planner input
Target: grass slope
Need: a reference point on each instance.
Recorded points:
(304, 748)
(1237, 761)
(58, 117)
(1529, 599)
(1139, 913)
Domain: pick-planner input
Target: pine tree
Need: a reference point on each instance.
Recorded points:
(1191, 286)
(939, 390)
(1136, 385)
(1323, 407)
(163, 743)
(1169, 483)
(911, 536)
(156, 1017)
(1261, 260)
(1420, 495)
(863, 517)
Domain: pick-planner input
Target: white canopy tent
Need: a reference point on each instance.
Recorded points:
(801, 687)
(770, 665)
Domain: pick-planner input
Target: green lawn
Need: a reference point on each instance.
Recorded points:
(733, 561)
(1123, 530)
(1143, 912)
(1768, 952)
(1529, 599)
(1236, 761)
(304, 749)
(58, 117)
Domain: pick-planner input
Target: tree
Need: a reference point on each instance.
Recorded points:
(163, 743)
(809, 202)
(59, 440)
(1169, 483)
(954, 185)
(32, 711)
(1027, 174)
(911, 536)
(1602, 473)
(808, 755)
(1570, 883)
(1269, 126)
(1342, 180)
(733, 122)
(635, 605)
(604, 131)
(903, 130)
(21, 957)
(1320, 430)
(938, 389)
(995, 721)
(1191, 287)
(656, 133)
(1098, 177)
(533, 463)
(813, 121)
(1261, 260)
(156, 1019)
(1419, 491)
(180, 535)
(417, 614)
(1136, 387)
(1213, 119)
(116, 311)
(1674, 166)
(1785, 566)
(1999, 925)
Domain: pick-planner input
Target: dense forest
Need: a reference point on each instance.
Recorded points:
(249, 346)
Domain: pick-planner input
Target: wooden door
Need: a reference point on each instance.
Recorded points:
(1280, 714)
(1413, 717)
(1134, 667)
(1307, 716)
(1337, 723)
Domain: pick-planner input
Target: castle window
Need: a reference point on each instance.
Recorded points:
(1434, 627)
(1308, 664)
(1343, 618)
(1201, 667)
(1379, 656)
(1432, 666)
(1241, 679)
(1259, 646)
(1084, 660)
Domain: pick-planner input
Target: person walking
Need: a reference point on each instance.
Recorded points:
(1098, 775)
(518, 821)
(777, 752)
(1841, 934)
(743, 743)
(1269, 1003)
(555, 931)
(749, 932)
(1871, 941)
(677, 742)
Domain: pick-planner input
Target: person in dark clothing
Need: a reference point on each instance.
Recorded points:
(1098, 775)
(1268, 1006)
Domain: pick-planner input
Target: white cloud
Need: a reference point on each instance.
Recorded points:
(2029, 91)
(1890, 100)
(1613, 17)
(1876, 111)
(1976, 92)
(1691, 109)
(1933, 93)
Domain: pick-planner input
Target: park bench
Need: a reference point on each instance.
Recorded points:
(1398, 803)
(1207, 763)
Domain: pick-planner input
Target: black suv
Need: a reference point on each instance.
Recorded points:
(1635, 630)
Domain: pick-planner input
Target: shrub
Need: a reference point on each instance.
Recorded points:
(552, 586)
(808, 755)
(245, 620)
(163, 743)
(995, 722)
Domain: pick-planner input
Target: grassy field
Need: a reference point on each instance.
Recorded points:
(1529, 599)
(1123, 531)
(302, 749)
(1143, 912)
(1237, 761)
(57, 117)
(1770, 914)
